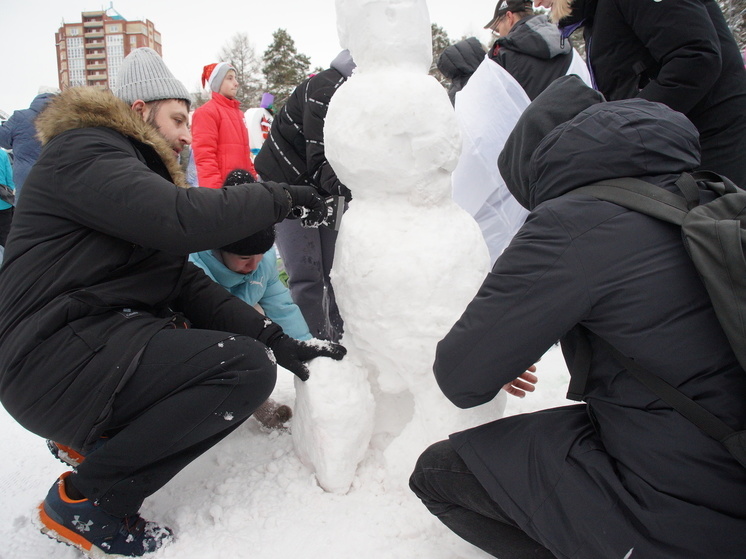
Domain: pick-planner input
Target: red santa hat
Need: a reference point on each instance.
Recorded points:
(214, 74)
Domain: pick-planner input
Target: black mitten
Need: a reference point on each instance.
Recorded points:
(305, 203)
(293, 354)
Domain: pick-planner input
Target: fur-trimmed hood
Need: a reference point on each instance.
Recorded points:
(88, 107)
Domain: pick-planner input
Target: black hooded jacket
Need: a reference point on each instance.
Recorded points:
(294, 150)
(679, 53)
(96, 263)
(534, 53)
(458, 62)
(624, 473)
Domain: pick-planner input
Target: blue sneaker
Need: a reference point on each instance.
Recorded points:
(97, 534)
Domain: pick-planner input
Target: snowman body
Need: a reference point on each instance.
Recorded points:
(408, 259)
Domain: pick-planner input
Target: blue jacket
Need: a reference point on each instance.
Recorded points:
(19, 134)
(6, 176)
(262, 286)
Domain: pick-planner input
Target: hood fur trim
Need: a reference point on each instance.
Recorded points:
(89, 107)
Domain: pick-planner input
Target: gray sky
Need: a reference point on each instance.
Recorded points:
(192, 32)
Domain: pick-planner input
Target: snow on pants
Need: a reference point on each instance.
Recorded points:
(446, 486)
(308, 254)
(190, 390)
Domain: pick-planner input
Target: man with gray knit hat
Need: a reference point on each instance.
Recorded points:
(112, 344)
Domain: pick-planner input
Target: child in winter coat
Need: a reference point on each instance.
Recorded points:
(248, 269)
(220, 139)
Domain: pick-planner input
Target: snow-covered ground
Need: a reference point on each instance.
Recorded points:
(250, 496)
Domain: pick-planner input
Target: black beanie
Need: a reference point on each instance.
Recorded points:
(258, 243)
(261, 241)
(239, 176)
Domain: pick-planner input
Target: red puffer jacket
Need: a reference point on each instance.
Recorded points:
(220, 141)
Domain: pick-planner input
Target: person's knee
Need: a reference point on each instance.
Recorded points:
(258, 377)
(254, 376)
(433, 458)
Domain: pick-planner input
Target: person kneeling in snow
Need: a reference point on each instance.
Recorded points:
(623, 475)
(112, 343)
(248, 270)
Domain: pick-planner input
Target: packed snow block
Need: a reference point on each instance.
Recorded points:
(383, 34)
(333, 420)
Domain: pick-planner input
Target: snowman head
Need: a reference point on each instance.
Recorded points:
(386, 33)
(393, 133)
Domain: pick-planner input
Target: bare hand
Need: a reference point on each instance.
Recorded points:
(524, 383)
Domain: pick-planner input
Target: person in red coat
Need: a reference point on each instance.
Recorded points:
(221, 141)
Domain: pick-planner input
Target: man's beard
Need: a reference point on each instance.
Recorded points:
(151, 120)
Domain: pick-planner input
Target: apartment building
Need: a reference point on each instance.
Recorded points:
(90, 52)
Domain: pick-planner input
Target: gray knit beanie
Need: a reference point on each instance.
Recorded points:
(144, 75)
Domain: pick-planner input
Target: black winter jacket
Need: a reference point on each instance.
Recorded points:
(96, 263)
(534, 53)
(458, 62)
(679, 53)
(624, 472)
(294, 150)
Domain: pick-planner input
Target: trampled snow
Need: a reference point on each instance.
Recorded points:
(250, 497)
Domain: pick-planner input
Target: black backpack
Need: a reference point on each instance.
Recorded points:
(714, 234)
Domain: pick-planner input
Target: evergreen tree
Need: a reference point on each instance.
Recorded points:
(284, 67)
(440, 43)
(239, 53)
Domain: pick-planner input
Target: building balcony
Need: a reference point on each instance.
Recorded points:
(95, 45)
(93, 23)
(96, 66)
(98, 78)
(99, 33)
(95, 56)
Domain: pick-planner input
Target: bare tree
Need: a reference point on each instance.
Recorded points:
(239, 53)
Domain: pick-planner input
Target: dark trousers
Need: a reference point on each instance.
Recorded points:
(450, 491)
(6, 217)
(190, 390)
(308, 254)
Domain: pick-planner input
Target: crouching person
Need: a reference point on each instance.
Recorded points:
(248, 270)
(624, 475)
(112, 344)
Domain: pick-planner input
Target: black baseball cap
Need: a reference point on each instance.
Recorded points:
(504, 6)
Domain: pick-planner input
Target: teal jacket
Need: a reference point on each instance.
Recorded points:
(262, 286)
(6, 176)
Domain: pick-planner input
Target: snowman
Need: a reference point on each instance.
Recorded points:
(408, 259)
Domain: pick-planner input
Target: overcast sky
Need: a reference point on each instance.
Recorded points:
(193, 31)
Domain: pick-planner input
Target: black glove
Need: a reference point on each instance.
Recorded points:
(305, 203)
(293, 354)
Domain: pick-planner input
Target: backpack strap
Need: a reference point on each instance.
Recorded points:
(640, 196)
(706, 421)
(719, 183)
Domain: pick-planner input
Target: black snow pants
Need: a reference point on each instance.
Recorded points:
(190, 390)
